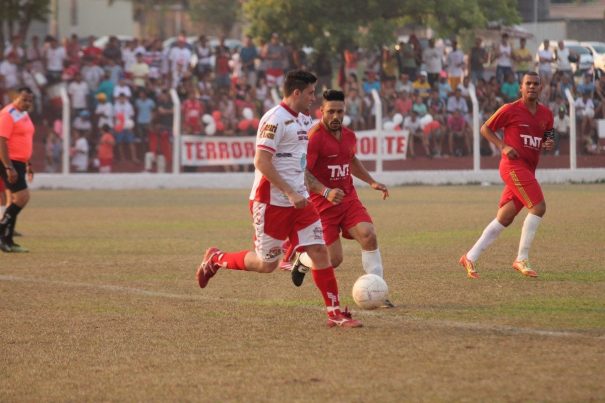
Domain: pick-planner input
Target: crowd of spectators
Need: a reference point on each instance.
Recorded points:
(121, 104)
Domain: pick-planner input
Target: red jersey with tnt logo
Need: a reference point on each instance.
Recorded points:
(329, 160)
(18, 130)
(523, 131)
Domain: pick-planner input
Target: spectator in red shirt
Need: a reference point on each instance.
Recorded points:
(192, 114)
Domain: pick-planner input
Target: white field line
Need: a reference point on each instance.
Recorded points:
(383, 314)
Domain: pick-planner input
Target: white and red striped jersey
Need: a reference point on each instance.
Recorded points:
(282, 133)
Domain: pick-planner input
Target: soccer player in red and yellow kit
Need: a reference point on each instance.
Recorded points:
(279, 201)
(527, 128)
(16, 144)
(331, 165)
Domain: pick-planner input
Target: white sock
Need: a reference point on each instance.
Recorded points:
(490, 233)
(372, 262)
(530, 226)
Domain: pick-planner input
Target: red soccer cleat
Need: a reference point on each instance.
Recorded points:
(207, 269)
(523, 267)
(343, 319)
(469, 267)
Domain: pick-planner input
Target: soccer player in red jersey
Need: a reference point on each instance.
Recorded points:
(331, 165)
(528, 128)
(16, 145)
(278, 201)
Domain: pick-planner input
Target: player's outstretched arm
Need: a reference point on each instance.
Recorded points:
(315, 186)
(359, 171)
(263, 161)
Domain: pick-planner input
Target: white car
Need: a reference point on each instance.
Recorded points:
(598, 53)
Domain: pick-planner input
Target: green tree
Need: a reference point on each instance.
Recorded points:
(219, 14)
(341, 23)
(16, 16)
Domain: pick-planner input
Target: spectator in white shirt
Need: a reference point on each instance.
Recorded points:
(92, 74)
(545, 58)
(55, 58)
(179, 58)
(139, 71)
(432, 57)
(414, 126)
(15, 47)
(561, 126)
(123, 126)
(585, 113)
(104, 111)
(455, 66)
(10, 71)
(79, 152)
(122, 88)
(457, 102)
(504, 61)
(78, 92)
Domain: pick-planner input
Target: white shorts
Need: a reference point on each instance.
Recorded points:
(274, 224)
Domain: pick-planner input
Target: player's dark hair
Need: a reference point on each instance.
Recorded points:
(298, 80)
(333, 95)
(532, 74)
(27, 90)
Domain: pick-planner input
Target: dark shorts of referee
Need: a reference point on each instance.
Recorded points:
(21, 183)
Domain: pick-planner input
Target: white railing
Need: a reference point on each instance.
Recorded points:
(66, 128)
(476, 129)
(382, 153)
(176, 132)
(379, 129)
(573, 158)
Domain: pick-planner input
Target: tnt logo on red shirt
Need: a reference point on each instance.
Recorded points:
(338, 171)
(531, 141)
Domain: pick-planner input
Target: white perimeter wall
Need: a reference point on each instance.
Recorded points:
(244, 180)
(96, 17)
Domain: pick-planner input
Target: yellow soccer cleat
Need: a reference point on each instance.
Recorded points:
(523, 267)
(469, 266)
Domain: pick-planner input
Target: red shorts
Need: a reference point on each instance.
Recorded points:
(343, 217)
(274, 224)
(521, 187)
(431, 127)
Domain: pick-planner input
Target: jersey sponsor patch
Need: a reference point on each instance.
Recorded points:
(288, 122)
(16, 114)
(273, 253)
(268, 131)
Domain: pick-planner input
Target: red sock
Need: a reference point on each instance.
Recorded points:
(326, 282)
(288, 251)
(233, 261)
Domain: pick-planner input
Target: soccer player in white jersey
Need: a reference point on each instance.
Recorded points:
(279, 201)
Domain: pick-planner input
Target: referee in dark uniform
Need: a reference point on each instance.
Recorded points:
(16, 145)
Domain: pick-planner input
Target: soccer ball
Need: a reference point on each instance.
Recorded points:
(370, 291)
(305, 260)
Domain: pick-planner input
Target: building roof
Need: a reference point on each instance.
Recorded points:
(594, 10)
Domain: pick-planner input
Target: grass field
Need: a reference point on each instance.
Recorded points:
(106, 307)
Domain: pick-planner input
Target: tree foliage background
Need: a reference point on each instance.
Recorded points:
(340, 23)
(17, 15)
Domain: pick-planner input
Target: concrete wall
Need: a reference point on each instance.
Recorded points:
(586, 30)
(244, 180)
(552, 30)
(95, 17)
